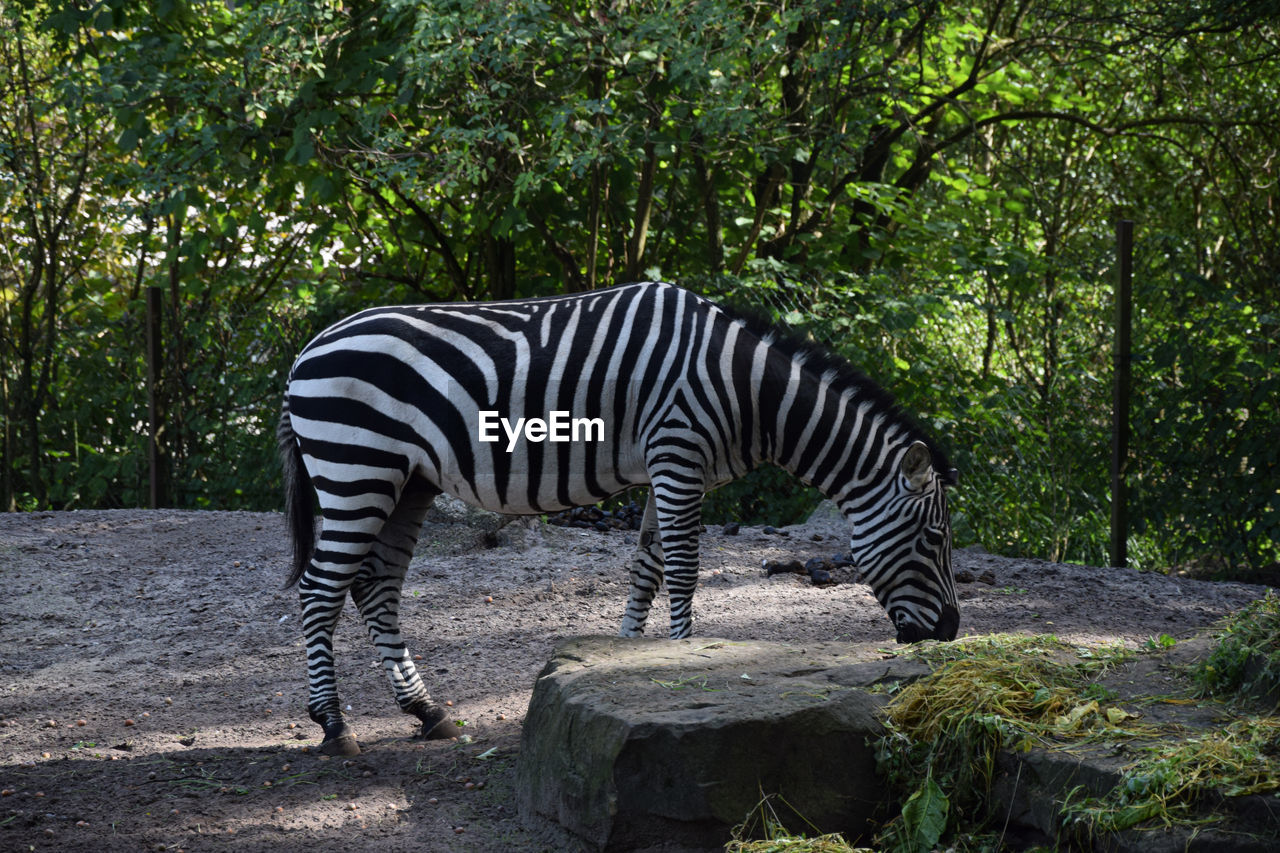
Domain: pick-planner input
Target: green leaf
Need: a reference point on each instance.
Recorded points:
(924, 817)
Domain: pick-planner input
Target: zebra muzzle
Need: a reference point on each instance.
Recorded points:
(944, 629)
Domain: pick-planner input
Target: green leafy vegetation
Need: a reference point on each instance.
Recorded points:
(1246, 657)
(928, 189)
(984, 695)
(1171, 778)
(1012, 694)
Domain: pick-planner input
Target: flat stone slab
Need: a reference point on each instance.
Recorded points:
(629, 743)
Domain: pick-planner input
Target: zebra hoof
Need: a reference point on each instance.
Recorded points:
(435, 724)
(440, 731)
(338, 738)
(343, 745)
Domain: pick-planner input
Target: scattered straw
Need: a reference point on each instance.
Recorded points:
(1032, 686)
(833, 843)
(775, 837)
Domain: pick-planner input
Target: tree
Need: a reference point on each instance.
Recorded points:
(928, 188)
(52, 143)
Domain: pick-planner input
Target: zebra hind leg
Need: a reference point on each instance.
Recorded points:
(377, 594)
(646, 574)
(346, 535)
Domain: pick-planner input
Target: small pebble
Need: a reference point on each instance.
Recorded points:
(82, 722)
(448, 703)
(502, 716)
(434, 801)
(128, 722)
(52, 724)
(168, 700)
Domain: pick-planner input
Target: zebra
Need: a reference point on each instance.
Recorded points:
(382, 414)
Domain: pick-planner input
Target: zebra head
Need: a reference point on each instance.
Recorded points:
(901, 544)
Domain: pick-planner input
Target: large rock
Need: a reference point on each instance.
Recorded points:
(630, 743)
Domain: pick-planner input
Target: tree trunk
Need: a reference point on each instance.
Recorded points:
(706, 177)
(644, 202)
(500, 264)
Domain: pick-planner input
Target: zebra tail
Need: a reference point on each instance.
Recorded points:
(299, 510)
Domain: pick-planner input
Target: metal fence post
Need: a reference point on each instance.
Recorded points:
(1121, 385)
(155, 355)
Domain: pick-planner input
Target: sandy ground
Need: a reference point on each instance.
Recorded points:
(153, 688)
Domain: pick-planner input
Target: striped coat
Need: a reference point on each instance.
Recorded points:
(393, 406)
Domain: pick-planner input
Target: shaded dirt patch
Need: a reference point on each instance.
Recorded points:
(152, 679)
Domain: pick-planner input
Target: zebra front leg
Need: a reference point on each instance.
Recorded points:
(646, 574)
(377, 594)
(679, 519)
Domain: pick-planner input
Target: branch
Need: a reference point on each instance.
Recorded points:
(561, 252)
(1105, 130)
(450, 260)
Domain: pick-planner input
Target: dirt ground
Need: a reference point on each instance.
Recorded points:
(153, 684)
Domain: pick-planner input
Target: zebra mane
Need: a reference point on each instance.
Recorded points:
(818, 361)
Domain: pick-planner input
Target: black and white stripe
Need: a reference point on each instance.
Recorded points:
(382, 415)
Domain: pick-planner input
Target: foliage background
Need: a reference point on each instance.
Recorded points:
(928, 188)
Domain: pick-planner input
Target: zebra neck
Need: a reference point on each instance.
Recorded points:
(826, 432)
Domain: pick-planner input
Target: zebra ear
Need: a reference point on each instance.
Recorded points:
(916, 465)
